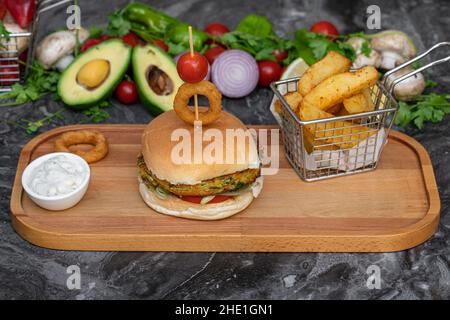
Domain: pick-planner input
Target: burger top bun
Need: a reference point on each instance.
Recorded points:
(159, 151)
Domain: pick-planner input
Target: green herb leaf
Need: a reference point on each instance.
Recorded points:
(430, 84)
(4, 34)
(261, 48)
(118, 26)
(32, 127)
(255, 25)
(265, 54)
(365, 49)
(175, 49)
(96, 113)
(95, 32)
(432, 107)
(39, 83)
(319, 45)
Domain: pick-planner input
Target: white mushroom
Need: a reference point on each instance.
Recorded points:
(395, 48)
(58, 45)
(64, 62)
(409, 88)
(362, 60)
(15, 45)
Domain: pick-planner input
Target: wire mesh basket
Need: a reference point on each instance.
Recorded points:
(11, 71)
(341, 145)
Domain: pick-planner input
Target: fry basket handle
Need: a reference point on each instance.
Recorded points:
(42, 7)
(391, 85)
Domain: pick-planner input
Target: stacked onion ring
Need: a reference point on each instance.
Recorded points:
(193, 68)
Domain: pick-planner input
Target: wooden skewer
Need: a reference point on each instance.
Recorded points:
(191, 46)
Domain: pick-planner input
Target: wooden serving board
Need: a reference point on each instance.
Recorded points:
(392, 208)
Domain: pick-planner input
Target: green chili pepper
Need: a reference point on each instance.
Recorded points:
(178, 33)
(155, 22)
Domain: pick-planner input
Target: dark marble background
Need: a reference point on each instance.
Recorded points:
(30, 272)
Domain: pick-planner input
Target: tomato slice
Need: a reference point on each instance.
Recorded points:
(196, 199)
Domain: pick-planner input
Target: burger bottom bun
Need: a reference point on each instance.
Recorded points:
(174, 206)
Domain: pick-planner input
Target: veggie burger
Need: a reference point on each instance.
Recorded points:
(213, 188)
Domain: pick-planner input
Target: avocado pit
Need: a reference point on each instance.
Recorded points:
(93, 73)
(159, 81)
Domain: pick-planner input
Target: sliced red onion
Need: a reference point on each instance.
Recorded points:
(208, 75)
(235, 73)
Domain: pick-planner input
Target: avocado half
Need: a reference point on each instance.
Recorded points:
(76, 96)
(156, 77)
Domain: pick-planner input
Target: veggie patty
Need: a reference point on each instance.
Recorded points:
(226, 183)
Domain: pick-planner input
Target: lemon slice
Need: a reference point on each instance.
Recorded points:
(295, 69)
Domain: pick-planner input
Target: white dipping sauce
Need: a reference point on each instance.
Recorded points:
(57, 176)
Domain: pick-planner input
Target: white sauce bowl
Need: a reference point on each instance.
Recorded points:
(60, 202)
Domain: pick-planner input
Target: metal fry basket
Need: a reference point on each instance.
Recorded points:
(342, 145)
(11, 71)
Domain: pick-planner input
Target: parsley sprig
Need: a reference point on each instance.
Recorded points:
(118, 26)
(33, 126)
(94, 114)
(432, 107)
(39, 83)
(4, 34)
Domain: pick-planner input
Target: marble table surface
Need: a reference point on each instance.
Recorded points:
(27, 271)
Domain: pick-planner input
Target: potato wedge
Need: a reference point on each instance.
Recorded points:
(293, 99)
(368, 95)
(339, 87)
(361, 102)
(335, 109)
(342, 134)
(342, 112)
(333, 63)
(355, 104)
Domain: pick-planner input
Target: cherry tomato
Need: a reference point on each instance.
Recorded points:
(269, 71)
(197, 199)
(192, 69)
(2, 9)
(280, 55)
(213, 53)
(8, 74)
(324, 27)
(216, 29)
(131, 39)
(105, 37)
(23, 56)
(126, 92)
(161, 44)
(90, 43)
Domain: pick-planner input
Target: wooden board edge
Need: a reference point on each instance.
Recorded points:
(230, 243)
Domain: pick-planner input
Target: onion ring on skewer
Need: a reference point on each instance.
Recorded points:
(205, 88)
(94, 138)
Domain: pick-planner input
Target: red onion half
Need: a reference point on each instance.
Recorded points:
(235, 73)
